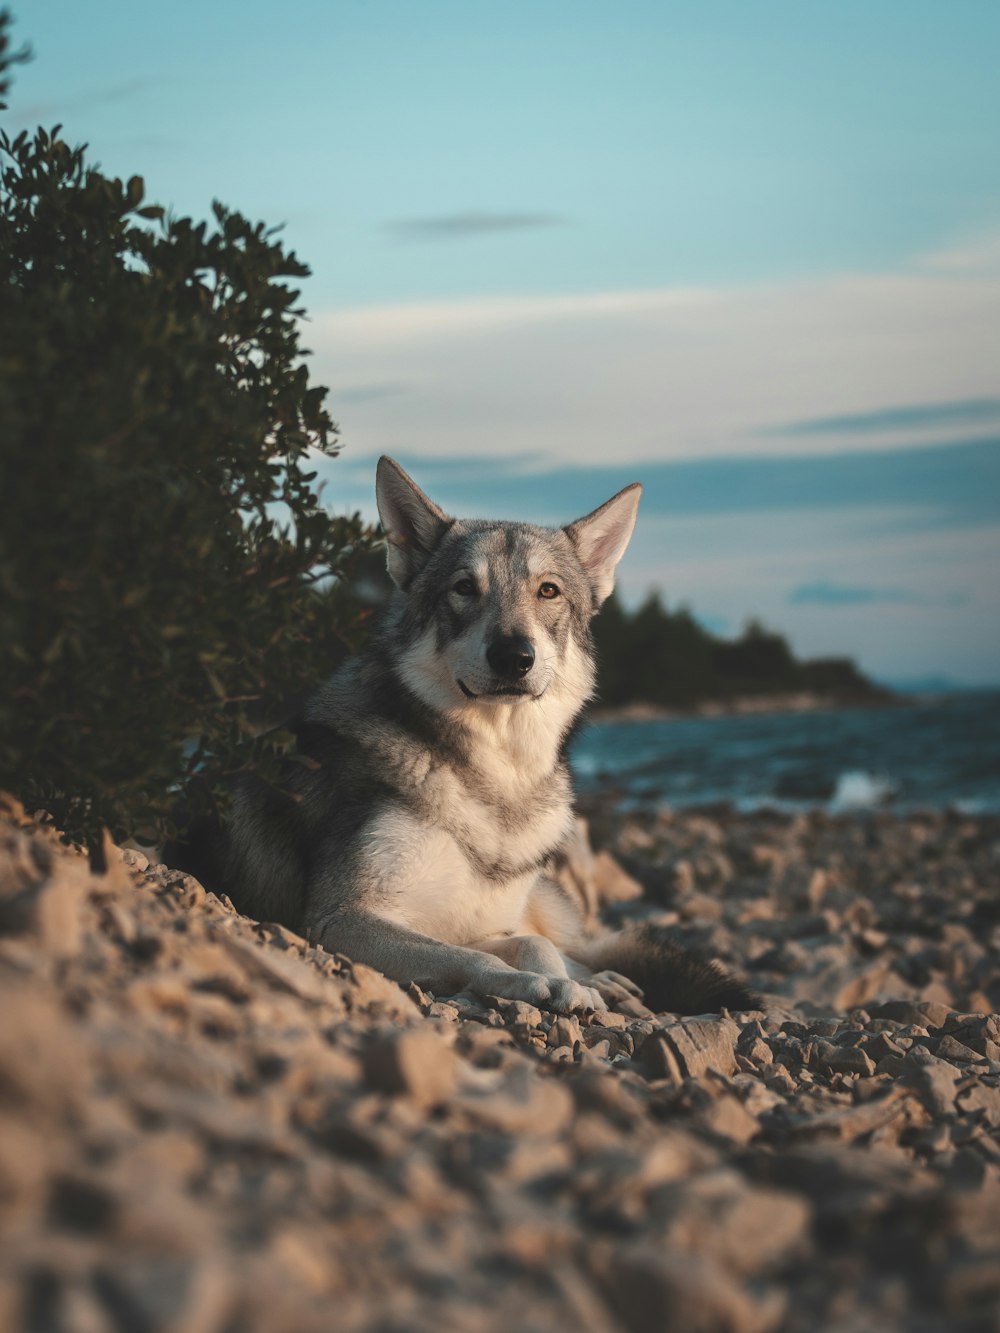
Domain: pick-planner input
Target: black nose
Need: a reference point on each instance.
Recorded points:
(511, 656)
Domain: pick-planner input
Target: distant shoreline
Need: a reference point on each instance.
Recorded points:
(750, 705)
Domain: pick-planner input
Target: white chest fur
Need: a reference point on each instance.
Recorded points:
(421, 876)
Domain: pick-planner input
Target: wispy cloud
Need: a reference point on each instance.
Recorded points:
(917, 416)
(54, 108)
(463, 226)
(694, 372)
(822, 593)
(369, 393)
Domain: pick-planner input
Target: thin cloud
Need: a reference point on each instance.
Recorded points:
(463, 226)
(370, 393)
(965, 412)
(823, 593)
(53, 108)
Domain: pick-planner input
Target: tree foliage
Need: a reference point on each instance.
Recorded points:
(657, 656)
(164, 557)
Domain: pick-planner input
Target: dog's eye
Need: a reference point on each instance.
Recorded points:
(464, 588)
(548, 591)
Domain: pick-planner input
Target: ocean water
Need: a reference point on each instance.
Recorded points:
(941, 752)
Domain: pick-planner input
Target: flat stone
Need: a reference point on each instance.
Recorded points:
(518, 1102)
(692, 1047)
(43, 1063)
(982, 1100)
(728, 1117)
(612, 884)
(955, 1051)
(746, 1228)
(371, 990)
(565, 1031)
(921, 1013)
(417, 1063)
(609, 1019)
(649, 1287)
(517, 1013)
(40, 895)
(843, 1059)
(936, 1084)
(165, 1293)
(281, 970)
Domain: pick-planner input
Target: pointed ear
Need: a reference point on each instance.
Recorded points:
(601, 538)
(413, 524)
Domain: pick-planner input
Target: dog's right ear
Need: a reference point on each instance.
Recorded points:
(413, 524)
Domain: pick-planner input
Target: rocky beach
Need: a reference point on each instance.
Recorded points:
(209, 1126)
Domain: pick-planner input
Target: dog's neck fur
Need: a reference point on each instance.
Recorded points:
(515, 745)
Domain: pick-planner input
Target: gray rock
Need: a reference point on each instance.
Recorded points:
(651, 1288)
(165, 1294)
(517, 1102)
(935, 1082)
(843, 1059)
(417, 1063)
(691, 1047)
(917, 1012)
(746, 1229)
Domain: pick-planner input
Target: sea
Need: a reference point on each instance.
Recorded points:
(937, 752)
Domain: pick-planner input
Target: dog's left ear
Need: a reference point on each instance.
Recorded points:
(413, 524)
(601, 538)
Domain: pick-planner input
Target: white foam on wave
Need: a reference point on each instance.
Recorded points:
(858, 790)
(972, 806)
(586, 765)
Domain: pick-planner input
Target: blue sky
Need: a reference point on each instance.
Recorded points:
(748, 253)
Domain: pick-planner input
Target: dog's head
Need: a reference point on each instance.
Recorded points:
(498, 613)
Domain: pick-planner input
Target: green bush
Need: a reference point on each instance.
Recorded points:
(164, 559)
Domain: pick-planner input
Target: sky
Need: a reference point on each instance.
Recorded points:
(747, 253)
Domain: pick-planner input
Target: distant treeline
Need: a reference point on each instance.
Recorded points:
(656, 656)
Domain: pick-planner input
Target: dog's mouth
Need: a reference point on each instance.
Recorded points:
(504, 692)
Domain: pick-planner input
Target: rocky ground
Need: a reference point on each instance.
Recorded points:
(208, 1126)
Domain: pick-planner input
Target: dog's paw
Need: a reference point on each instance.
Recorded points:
(568, 996)
(557, 993)
(531, 987)
(614, 987)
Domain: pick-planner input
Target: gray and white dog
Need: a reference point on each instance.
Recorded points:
(418, 837)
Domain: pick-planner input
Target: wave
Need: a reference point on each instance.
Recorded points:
(858, 790)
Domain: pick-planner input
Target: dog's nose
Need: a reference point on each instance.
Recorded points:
(511, 656)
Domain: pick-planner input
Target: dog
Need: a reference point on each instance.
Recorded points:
(431, 788)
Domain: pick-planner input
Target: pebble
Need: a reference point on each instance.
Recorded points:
(649, 1287)
(417, 1063)
(843, 1059)
(691, 1047)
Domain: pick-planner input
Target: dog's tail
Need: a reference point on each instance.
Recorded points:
(673, 979)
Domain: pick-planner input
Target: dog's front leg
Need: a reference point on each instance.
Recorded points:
(405, 956)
